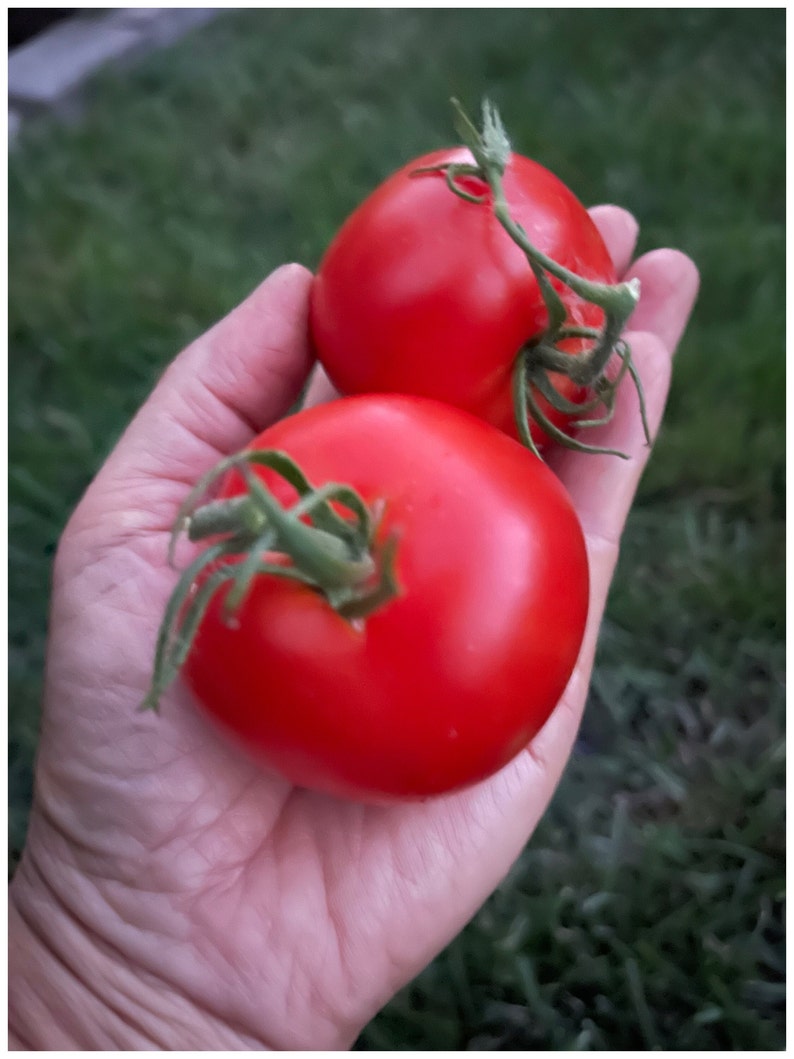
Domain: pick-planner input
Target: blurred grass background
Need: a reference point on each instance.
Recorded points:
(648, 909)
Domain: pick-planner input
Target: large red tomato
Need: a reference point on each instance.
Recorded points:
(447, 681)
(422, 292)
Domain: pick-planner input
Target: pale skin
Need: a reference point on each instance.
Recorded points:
(174, 896)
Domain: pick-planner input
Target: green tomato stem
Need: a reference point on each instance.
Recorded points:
(253, 534)
(491, 151)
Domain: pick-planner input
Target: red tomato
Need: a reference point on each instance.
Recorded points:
(446, 682)
(422, 292)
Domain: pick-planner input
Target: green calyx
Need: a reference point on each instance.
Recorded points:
(543, 356)
(252, 534)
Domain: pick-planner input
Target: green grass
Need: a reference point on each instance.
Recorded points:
(647, 910)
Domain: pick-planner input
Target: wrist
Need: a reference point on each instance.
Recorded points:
(72, 990)
(56, 977)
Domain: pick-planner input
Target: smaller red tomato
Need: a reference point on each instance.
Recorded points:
(422, 292)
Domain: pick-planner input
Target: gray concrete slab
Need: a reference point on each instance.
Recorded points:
(48, 73)
(161, 26)
(53, 65)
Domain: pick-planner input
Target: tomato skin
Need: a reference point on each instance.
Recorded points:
(422, 292)
(445, 683)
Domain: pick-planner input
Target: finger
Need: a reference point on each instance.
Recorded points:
(320, 388)
(619, 230)
(669, 284)
(602, 487)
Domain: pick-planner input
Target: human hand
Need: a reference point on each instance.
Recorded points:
(172, 895)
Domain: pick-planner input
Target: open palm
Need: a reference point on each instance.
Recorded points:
(202, 902)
